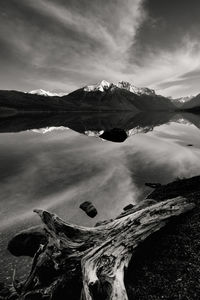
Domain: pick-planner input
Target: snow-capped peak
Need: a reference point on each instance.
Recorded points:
(105, 85)
(183, 99)
(133, 89)
(101, 86)
(42, 92)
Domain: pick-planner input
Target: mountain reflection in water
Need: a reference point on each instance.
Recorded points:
(61, 169)
(115, 127)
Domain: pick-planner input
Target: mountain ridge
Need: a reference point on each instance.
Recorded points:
(103, 96)
(123, 96)
(105, 85)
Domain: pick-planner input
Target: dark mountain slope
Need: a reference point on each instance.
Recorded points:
(116, 98)
(193, 104)
(110, 99)
(30, 102)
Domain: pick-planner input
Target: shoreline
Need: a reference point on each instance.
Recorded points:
(166, 265)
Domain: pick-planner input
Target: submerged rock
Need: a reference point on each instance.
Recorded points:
(89, 209)
(27, 242)
(115, 135)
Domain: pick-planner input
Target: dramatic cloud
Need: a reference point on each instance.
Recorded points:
(167, 46)
(62, 45)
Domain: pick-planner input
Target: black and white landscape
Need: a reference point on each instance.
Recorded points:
(100, 97)
(99, 150)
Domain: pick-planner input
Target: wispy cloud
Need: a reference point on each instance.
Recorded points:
(78, 46)
(169, 69)
(62, 45)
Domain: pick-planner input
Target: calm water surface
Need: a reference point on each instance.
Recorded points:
(60, 169)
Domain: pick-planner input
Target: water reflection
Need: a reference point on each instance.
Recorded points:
(115, 127)
(63, 168)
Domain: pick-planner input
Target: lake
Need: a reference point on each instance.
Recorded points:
(56, 162)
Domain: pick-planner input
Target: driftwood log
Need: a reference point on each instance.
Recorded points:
(89, 263)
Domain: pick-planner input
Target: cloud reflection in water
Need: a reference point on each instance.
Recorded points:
(61, 169)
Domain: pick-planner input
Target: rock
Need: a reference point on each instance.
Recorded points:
(4, 291)
(127, 207)
(190, 145)
(35, 296)
(7, 292)
(115, 135)
(27, 242)
(89, 209)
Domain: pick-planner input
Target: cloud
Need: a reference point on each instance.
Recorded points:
(177, 72)
(167, 46)
(62, 45)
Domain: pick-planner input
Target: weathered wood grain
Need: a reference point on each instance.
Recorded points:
(89, 263)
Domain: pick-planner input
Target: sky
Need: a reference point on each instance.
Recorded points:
(62, 45)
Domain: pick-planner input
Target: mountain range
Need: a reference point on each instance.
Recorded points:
(100, 97)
